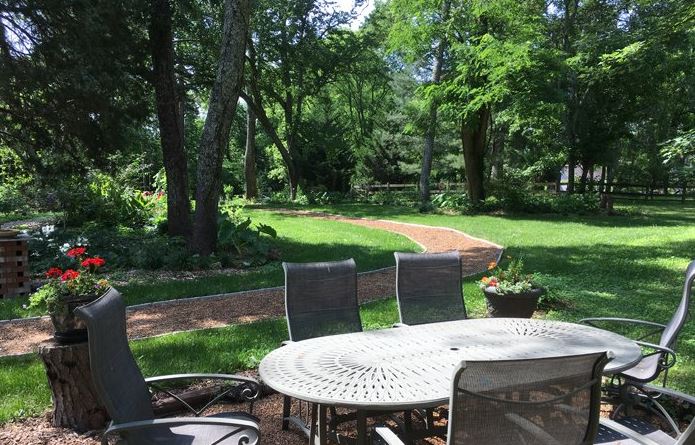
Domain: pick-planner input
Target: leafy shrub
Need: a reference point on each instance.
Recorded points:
(239, 241)
(395, 198)
(452, 201)
(324, 197)
(11, 200)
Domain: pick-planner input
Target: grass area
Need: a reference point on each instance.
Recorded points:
(7, 217)
(24, 390)
(324, 241)
(629, 266)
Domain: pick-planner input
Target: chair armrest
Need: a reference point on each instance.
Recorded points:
(671, 354)
(387, 436)
(250, 390)
(179, 421)
(591, 321)
(670, 393)
(399, 325)
(200, 376)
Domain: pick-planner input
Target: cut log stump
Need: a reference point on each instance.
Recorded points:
(75, 401)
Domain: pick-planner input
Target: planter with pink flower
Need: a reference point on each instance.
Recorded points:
(510, 292)
(66, 289)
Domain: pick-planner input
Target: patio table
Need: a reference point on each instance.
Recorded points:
(410, 367)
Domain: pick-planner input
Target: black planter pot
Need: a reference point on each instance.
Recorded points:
(521, 305)
(68, 328)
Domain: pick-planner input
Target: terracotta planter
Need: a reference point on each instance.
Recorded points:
(68, 328)
(521, 305)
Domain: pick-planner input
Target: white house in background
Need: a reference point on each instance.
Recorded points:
(578, 171)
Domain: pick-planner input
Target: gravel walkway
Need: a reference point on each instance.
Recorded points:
(22, 336)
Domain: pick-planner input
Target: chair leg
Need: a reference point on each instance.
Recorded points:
(286, 402)
(429, 418)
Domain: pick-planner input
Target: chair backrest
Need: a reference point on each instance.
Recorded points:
(117, 378)
(429, 288)
(550, 400)
(670, 335)
(321, 299)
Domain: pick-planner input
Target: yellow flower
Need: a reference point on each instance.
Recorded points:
(485, 280)
(491, 265)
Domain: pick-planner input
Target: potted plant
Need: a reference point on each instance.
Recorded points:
(510, 292)
(67, 289)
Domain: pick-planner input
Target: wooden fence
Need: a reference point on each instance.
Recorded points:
(617, 189)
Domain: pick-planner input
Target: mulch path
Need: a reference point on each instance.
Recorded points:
(23, 336)
(38, 431)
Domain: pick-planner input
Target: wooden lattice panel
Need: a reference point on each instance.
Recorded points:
(14, 267)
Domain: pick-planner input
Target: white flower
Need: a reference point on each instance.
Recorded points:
(48, 229)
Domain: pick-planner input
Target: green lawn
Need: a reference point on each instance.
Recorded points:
(24, 390)
(629, 266)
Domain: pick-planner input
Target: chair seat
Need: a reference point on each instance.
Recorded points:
(608, 436)
(645, 370)
(202, 434)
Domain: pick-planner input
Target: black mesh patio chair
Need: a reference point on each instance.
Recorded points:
(549, 401)
(320, 300)
(638, 431)
(126, 394)
(658, 359)
(429, 288)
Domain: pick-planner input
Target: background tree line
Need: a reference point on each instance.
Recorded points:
(283, 97)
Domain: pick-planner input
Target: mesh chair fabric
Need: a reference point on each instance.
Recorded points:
(428, 287)
(117, 378)
(536, 401)
(321, 299)
(650, 367)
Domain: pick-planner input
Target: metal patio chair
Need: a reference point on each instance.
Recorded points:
(636, 431)
(126, 394)
(320, 300)
(631, 384)
(429, 288)
(550, 401)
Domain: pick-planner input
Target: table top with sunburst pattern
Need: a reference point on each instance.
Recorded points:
(411, 367)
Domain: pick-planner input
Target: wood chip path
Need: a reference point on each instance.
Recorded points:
(23, 336)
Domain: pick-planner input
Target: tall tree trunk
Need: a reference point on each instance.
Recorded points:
(251, 189)
(571, 163)
(215, 137)
(170, 115)
(473, 140)
(255, 104)
(602, 184)
(430, 133)
(583, 179)
(497, 170)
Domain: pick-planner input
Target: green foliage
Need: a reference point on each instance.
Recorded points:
(452, 200)
(104, 199)
(512, 280)
(236, 233)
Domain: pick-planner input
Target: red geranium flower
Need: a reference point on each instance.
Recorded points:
(69, 275)
(54, 272)
(95, 261)
(76, 251)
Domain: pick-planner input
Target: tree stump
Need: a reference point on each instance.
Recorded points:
(75, 401)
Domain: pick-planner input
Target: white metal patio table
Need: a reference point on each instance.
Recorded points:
(410, 367)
